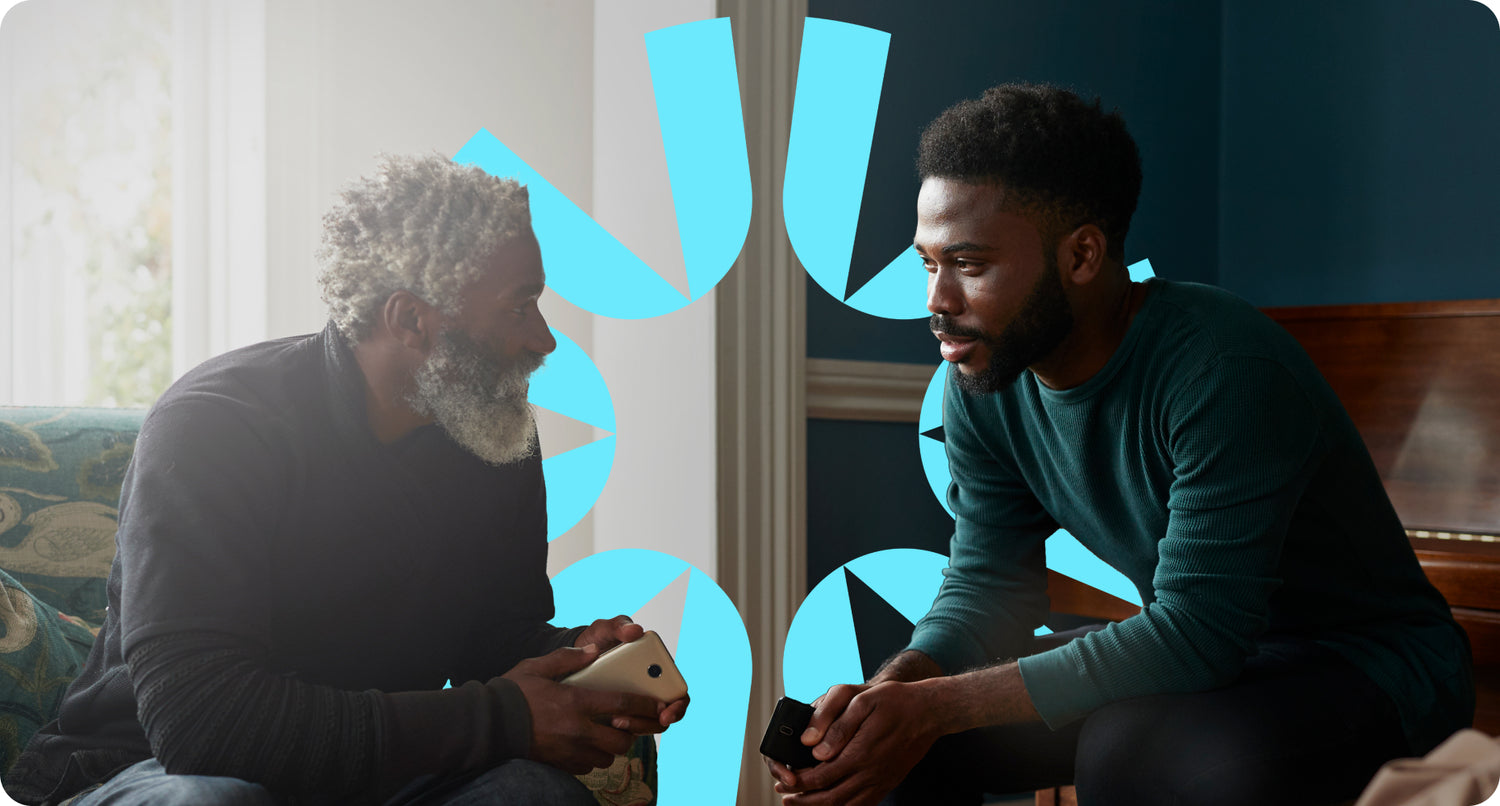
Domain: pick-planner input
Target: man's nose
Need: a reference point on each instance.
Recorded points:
(943, 294)
(539, 338)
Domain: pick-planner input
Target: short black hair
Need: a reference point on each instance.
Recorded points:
(1063, 158)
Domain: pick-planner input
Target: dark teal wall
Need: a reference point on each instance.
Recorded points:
(1157, 62)
(1361, 151)
(1294, 152)
(866, 492)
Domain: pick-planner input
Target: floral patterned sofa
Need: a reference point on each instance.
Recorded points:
(60, 476)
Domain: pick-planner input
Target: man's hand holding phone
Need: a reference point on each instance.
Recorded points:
(865, 738)
(578, 728)
(631, 669)
(606, 633)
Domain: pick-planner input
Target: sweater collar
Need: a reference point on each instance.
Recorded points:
(1117, 360)
(346, 388)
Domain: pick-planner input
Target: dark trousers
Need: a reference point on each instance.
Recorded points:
(1301, 725)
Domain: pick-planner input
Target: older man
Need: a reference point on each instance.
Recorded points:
(317, 532)
(1289, 641)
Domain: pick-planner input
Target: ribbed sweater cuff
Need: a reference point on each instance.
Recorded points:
(1058, 687)
(951, 655)
(469, 727)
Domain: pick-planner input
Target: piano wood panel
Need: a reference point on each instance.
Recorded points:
(1467, 573)
(1421, 381)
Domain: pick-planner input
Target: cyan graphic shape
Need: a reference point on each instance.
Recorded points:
(1140, 270)
(934, 455)
(703, 133)
(701, 764)
(1067, 556)
(908, 579)
(574, 481)
(821, 649)
(700, 756)
(839, 76)
(879, 629)
(571, 385)
(585, 264)
(594, 588)
(822, 646)
(899, 291)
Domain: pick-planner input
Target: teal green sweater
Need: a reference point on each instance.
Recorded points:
(1209, 463)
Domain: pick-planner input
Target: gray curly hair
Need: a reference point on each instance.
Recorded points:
(421, 224)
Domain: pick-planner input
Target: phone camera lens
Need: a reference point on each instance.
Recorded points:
(654, 670)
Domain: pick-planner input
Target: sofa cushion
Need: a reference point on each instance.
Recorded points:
(630, 780)
(60, 475)
(41, 652)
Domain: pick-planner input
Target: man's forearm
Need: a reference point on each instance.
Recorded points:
(209, 707)
(908, 667)
(994, 695)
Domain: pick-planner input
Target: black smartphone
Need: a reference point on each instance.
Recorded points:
(783, 740)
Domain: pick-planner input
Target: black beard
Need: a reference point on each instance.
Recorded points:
(1043, 322)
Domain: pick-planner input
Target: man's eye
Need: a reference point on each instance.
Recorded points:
(929, 265)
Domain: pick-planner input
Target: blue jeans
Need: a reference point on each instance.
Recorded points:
(515, 783)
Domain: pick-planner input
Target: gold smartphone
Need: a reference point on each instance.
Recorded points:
(643, 666)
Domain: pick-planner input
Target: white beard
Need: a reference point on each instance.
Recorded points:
(480, 402)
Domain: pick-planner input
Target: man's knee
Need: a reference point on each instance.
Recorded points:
(1002, 760)
(521, 781)
(1143, 751)
(147, 783)
(1137, 751)
(198, 789)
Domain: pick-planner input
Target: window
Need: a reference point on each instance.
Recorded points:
(133, 217)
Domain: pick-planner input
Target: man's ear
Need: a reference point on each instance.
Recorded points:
(410, 321)
(1081, 254)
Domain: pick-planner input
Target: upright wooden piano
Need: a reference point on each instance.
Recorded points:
(1421, 380)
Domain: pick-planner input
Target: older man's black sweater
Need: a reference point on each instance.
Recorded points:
(289, 594)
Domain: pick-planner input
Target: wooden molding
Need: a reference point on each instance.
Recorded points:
(866, 390)
(761, 349)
